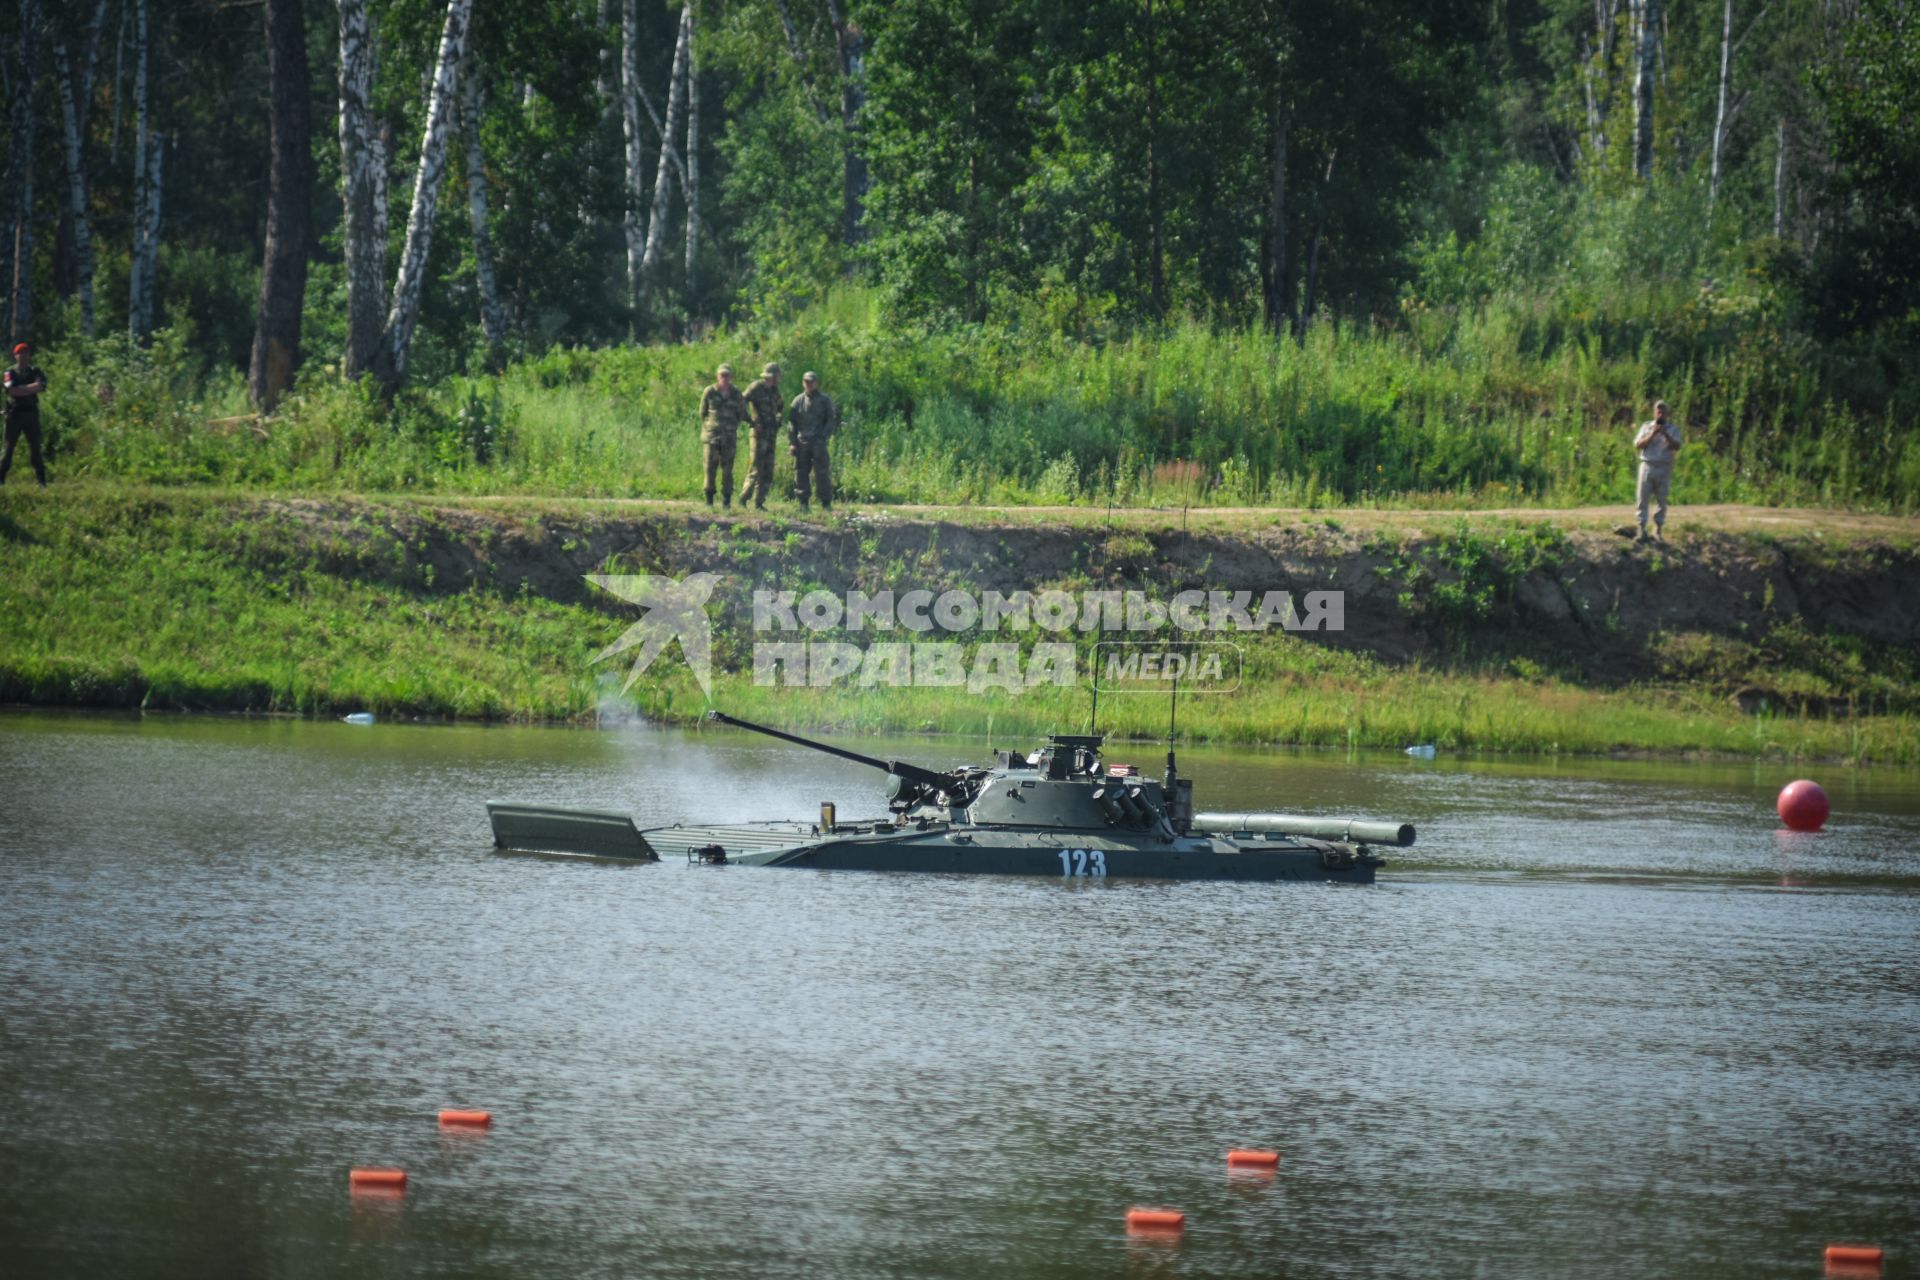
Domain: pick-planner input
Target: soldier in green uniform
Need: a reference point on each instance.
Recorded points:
(24, 383)
(763, 403)
(811, 421)
(722, 410)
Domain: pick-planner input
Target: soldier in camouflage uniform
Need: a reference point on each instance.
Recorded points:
(722, 410)
(811, 421)
(763, 403)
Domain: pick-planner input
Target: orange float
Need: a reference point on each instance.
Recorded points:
(1252, 1158)
(1156, 1220)
(364, 1179)
(1856, 1256)
(466, 1119)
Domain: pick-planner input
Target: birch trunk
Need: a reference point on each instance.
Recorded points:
(692, 182)
(852, 45)
(1311, 300)
(74, 90)
(283, 269)
(1597, 78)
(492, 319)
(1780, 180)
(636, 183)
(799, 60)
(676, 101)
(382, 169)
(1646, 60)
(80, 225)
(20, 162)
(138, 284)
(391, 361)
(1279, 278)
(364, 245)
(150, 236)
(1720, 109)
(119, 70)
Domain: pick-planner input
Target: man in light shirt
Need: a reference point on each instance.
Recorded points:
(1658, 441)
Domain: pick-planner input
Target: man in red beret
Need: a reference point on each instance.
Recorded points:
(24, 383)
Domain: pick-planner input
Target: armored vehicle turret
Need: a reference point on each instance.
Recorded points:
(1058, 810)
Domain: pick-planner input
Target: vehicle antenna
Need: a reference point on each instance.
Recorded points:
(1173, 708)
(1093, 717)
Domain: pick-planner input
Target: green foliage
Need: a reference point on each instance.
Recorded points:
(1515, 400)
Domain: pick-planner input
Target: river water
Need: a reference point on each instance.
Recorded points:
(1604, 1020)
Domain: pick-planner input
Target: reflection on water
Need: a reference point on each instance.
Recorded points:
(1604, 1020)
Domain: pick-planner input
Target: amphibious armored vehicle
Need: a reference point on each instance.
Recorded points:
(1058, 811)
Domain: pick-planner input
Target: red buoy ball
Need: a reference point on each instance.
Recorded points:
(1803, 805)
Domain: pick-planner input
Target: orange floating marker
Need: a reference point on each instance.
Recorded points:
(1247, 1158)
(366, 1179)
(1156, 1220)
(1855, 1255)
(466, 1119)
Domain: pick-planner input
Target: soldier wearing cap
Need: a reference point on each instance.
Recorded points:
(763, 404)
(722, 410)
(811, 421)
(24, 383)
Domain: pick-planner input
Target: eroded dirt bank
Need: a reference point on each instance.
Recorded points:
(1794, 619)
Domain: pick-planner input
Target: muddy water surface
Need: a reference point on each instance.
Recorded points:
(1604, 1020)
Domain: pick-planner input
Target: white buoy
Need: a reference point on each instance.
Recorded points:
(359, 717)
(1423, 752)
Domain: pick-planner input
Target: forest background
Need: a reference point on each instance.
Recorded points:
(1132, 251)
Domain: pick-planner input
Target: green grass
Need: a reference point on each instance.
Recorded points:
(208, 601)
(1515, 401)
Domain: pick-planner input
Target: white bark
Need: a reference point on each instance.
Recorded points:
(363, 235)
(139, 284)
(119, 63)
(381, 144)
(1780, 180)
(20, 169)
(76, 165)
(692, 184)
(1646, 60)
(663, 178)
(411, 280)
(799, 60)
(150, 237)
(636, 183)
(1726, 110)
(492, 318)
(1720, 109)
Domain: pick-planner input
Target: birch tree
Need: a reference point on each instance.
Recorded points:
(148, 241)
(364, 245)
(635, 185)
(663, 177)
(390, 364)
(493, 319)
(1596, 74)
(1277, 279)
(1726, 109)
(75, 91)
(140, 281)
(1646, 61)
(20, 168)
(692, 181)
(283, 270)
(851, 43)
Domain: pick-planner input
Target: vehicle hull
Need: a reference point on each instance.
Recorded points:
(940, 848)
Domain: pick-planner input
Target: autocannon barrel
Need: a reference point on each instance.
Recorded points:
(1347, 830)
(899, 768)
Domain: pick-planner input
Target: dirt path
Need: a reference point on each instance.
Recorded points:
(1725, 517)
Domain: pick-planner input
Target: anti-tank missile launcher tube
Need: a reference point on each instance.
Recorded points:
(1346, 830)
